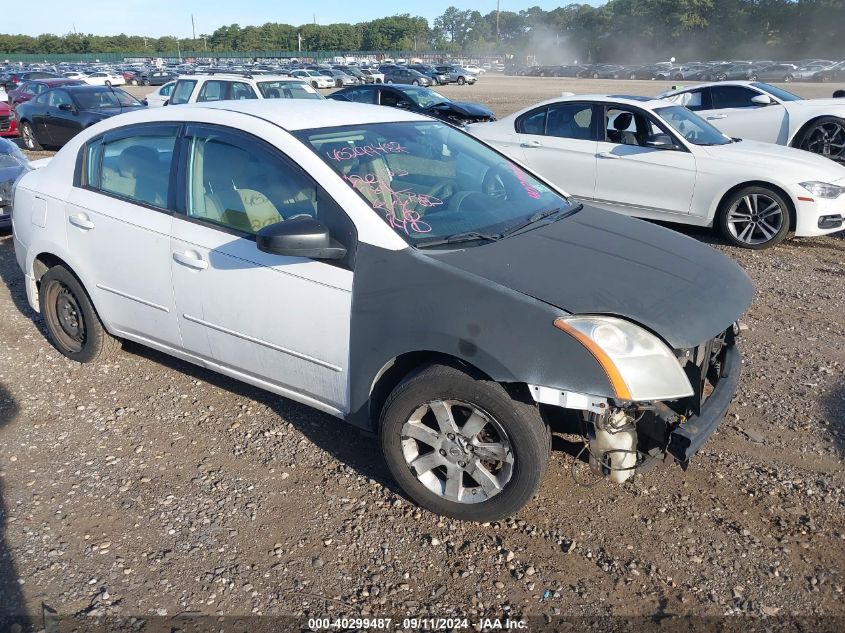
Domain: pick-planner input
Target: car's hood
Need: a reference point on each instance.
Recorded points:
(107, 112)
(598, 262)
(465, 109)
(822, 103)
(798, 163)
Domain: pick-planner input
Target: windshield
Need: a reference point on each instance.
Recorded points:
(287, 90)
(430, 181)
(93, 100)
(691, 126)
(424, 97)
(780, 93)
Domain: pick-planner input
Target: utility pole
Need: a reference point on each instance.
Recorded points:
(498, 6)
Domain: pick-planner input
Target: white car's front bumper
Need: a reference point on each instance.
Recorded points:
(818, 216)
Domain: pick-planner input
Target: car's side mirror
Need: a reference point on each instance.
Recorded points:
(660, 141)
(762, 100)
(166, 102)
(299, 237)
(67, 107)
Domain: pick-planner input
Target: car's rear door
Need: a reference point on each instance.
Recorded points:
(559, 143)
(118, 219)
(278, 322)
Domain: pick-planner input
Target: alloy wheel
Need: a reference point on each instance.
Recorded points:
(827, 139)
(28, 137)
(457, 451)
(755, 219)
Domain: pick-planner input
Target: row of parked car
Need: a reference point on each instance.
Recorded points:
(818, 70)
(165, 226)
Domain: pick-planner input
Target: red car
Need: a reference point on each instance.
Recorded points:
(32, 89)
(8, 123)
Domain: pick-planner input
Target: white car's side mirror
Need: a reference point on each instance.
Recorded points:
(763, 100)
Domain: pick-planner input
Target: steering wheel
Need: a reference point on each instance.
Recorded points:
(493, 184)
(442, 192)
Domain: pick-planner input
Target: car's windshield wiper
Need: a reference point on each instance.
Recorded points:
(468, 236)
(540, 215)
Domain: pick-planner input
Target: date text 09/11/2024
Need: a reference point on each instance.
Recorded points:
(418, 624)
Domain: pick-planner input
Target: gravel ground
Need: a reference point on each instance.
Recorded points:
(149, 487)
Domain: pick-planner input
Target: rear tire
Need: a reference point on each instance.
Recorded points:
(755, 217)
(461, 81)
(787, 79)
(490, 472)
(73, 326)
(825, 136)
(108, 83)
(29, 140)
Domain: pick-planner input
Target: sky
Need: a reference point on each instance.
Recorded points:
(173, 17)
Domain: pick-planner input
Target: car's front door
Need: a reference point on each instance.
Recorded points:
(559, 143)
(61, 125)
(636, 178)
(734, 113)
(279, 322)
(120, 213)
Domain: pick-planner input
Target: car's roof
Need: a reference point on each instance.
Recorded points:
(83, 87)
(57, 82)
(736, 82)
(238, 77)
(634, 100)
(291, 114)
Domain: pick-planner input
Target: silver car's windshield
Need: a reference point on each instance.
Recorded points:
(780, 93)
(432, 183)
(691, 126)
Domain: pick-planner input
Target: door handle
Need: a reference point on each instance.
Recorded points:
(608, 155)
(713, 117)
(191, 259)
(531, 144)
(81, 221)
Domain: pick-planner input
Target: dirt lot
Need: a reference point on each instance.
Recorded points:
(149, 487)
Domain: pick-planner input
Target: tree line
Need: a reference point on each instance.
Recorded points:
(618, 30)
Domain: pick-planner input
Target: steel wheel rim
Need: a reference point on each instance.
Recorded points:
(65, 317)
(827, 139)
(755, 219)
(457, 451)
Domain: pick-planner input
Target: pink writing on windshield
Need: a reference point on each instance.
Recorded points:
(354, 151)
(529, 189)
(398, 205)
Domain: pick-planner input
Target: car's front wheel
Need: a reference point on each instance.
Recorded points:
(72, 323)
(754, 217)
(108, 83)
(825, 136)
(461, 446)
(29, 139)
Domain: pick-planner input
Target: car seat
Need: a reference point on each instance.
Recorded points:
(619, 132)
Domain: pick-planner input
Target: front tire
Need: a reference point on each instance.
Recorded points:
(73, 326)
(754, 217)
(29, 139)
(461, 446)
(826, 137)
(108, 83)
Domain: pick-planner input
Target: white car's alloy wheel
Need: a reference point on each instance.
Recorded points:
(756, 218)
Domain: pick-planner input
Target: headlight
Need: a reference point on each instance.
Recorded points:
(823, 189)
(638, 365)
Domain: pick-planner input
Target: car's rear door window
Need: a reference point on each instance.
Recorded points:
(732, 97)
(570, 120)
(135, 166)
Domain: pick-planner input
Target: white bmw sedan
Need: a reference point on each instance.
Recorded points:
(654, 159)
(390, 270)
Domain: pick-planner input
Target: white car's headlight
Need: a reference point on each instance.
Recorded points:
(823, 189)
(637, 363)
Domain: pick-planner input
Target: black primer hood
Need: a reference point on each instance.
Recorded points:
(598, 262)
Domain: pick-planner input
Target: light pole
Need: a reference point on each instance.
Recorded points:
(498, 6)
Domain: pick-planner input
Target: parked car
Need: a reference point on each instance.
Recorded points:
(456, 74)
(56, 116)
(104, 79)
(74, 75)
(161, 78)
(13, 164)
(358, 217)
(159, 97)
(416, 99)
(762, 112)
(31, 89)
(12, 80)
(314, 78)
(437, 78)
(377, 77)
(8, 123)
(831, 73)
(810, 72)
(475, 70)
(655, 159)
(775, 72)
(339, 77)
(406, 76)
(223, 87)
